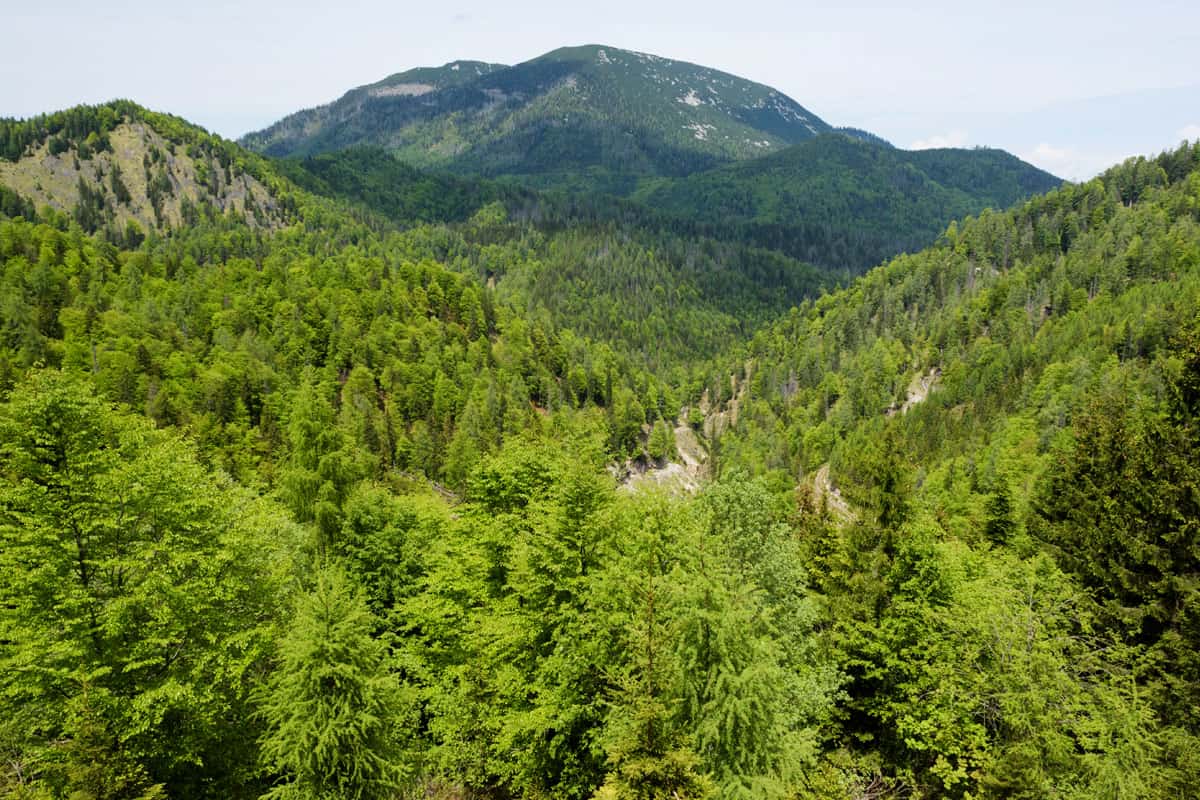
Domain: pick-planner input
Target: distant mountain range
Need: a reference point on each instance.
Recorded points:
(688, 140)
(690, 151)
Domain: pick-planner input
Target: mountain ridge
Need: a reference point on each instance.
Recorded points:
(124, 168)
(847, 200)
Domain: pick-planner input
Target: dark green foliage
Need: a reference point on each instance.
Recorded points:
(81, 123)
(1121, 503)
(119, 190)
(92, 211)
(391, 187)
(843, 202)
(604, 268)
(13, 205)
(1000, 524)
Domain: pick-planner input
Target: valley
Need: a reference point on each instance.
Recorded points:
(602, 426)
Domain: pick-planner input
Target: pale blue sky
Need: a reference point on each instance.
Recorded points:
(1071, 86)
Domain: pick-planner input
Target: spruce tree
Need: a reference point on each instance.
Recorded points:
(331, 705)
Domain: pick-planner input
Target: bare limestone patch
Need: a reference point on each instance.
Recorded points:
(403, 89)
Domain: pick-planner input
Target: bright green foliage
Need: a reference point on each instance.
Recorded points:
(732, 688)
(530, 546)
(385, 539)
(138, 597)
(322, 464)
(323, 369)
(661, 444)
(946, 549)
(1014, 312)
(643, 743)
(570, 641)
(649, 748)
(331, 708)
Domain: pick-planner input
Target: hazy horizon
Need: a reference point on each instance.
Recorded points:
(1071, 89)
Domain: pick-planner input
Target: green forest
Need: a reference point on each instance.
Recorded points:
(336, 479)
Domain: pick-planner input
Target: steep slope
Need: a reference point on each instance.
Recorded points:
(1021, 398)
(577, 108)
(129, 171)
(842, 201)
(983, 324)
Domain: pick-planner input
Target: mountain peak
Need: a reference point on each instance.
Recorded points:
(591, 107)
(597, 53)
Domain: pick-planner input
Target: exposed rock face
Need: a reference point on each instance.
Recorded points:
(141, 178)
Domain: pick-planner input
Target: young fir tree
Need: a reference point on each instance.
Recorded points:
(648, 752)
(331, 706)
(661, 445)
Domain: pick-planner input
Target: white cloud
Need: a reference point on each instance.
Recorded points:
(1047, 152)
(1068, 162)
(1189, 132)
(954, 138)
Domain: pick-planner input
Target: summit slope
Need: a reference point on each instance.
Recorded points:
(593, 108)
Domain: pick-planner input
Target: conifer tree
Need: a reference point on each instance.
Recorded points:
(661, 445)
(331, 706)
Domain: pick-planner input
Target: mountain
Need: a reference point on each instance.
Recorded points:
(837, 200)
(712, 154)
(1076, 138)
(123, 168)
(591, 108)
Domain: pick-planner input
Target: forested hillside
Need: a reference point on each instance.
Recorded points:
(331, 503)
(1009, 420)
(600, 268)
(836, 200)
(606, 268)
(130, 171)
